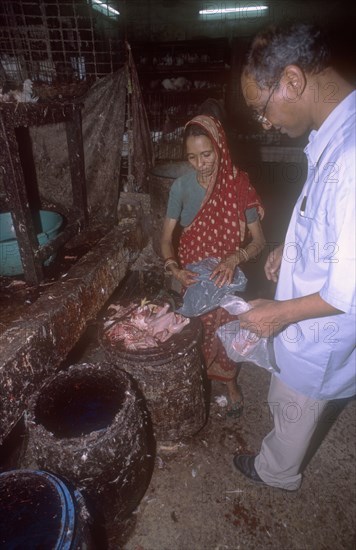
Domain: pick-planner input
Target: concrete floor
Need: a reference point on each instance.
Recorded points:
(196, 501)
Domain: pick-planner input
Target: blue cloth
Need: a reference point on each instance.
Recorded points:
(316, 357)
(186, 196)
(204, 295)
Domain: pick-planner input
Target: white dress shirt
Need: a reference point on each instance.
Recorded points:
(316, 357)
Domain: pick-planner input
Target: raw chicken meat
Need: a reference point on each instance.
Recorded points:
(142, 326)
(245, 341)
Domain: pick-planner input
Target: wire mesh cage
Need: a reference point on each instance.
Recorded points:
(177, 78)
(59, 42)
(61, 46)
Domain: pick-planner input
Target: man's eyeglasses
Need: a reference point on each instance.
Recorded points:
(261, 117)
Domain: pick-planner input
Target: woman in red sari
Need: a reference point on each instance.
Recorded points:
(220, 213)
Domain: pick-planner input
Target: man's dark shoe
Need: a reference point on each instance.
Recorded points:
(246, 465)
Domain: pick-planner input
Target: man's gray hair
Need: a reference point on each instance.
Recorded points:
(301, 44)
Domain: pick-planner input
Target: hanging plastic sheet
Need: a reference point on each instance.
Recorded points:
(103, 127)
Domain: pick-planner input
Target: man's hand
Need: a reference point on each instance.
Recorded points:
(264, 318)
(273, 263)
(268, 317)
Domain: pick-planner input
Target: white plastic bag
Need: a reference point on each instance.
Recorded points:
(234, 304)
(242, 345)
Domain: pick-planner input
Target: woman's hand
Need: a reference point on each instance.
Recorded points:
(224, 271)
(184, 276)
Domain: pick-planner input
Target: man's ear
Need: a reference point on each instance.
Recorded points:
(295, 79)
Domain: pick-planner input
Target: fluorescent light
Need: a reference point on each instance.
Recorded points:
(233, 10)
(105, 7)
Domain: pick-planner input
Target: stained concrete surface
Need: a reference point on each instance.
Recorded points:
(35, 343)
(197, 501)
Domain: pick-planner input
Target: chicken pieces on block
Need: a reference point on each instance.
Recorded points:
(141, 327)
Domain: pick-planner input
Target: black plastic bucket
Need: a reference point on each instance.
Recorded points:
(39, 511)
(172, 379)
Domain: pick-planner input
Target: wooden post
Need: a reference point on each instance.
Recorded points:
(18, 202)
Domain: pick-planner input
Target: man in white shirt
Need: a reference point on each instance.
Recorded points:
(290, 85)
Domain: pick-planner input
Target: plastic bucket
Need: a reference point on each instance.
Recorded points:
(47, 224)
(172, 379)
(38, 510)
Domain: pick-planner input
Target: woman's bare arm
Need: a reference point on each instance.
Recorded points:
(224, 272)
(184, 276)
(167, 248)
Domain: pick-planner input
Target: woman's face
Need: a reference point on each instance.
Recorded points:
(201, 155)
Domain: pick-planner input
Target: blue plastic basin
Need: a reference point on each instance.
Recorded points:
(39, 511)
(47, 224)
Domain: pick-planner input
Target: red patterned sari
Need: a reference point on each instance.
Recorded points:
(218, 229)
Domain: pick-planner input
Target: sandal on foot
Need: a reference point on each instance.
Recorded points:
(235, 409)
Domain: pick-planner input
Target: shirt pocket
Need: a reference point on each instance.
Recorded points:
(306, 223)
(307, 209)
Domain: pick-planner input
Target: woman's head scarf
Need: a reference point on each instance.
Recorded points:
(219, 228)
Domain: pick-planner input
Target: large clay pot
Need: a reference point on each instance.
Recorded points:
(90, 425)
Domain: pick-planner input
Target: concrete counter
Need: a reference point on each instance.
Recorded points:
(33, 347)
